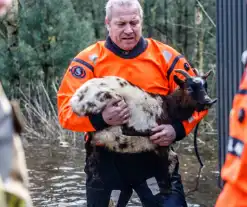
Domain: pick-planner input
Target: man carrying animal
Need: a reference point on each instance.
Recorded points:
(148, 64)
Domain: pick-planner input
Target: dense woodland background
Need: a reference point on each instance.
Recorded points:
(39, 38)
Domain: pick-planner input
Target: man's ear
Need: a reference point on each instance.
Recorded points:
(178, 81)
(107, 24)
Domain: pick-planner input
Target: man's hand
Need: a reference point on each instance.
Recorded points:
(164, 135)
(116, 112)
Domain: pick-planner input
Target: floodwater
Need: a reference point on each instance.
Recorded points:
(57, 176)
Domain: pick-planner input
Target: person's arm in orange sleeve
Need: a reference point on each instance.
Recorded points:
(185, 127)
(79, 71)
(233, 172)
(235, 167)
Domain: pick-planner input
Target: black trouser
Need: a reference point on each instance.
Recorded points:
(112, 176)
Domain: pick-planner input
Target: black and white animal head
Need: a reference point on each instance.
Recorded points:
(196, 88)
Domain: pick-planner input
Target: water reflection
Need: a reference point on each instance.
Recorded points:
(57, 176)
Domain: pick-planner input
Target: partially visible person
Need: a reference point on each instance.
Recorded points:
(234, 170)
(13, 170)
(5, 108)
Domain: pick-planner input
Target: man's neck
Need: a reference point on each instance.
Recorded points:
(137, 50)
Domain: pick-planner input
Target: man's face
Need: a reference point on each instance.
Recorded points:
(125, 27)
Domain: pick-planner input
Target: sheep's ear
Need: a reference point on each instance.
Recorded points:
(178, 81)
(205, 76)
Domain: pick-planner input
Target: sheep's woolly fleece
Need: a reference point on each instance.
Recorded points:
(93, 96)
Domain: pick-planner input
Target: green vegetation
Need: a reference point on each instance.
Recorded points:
(39, 38)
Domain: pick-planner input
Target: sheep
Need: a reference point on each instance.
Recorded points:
(147, 110)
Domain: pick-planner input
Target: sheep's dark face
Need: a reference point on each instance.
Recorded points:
(196, 88)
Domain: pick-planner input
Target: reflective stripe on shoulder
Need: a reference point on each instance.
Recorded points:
(167, 55)
(88, 65)
(176, 59)
(235, 146)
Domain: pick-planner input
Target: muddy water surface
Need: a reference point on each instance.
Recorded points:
(57, 177)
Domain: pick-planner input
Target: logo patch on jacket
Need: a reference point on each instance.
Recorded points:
(78, 72)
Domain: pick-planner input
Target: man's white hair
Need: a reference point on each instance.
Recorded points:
(111, 3)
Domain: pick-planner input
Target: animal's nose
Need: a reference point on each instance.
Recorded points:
(207, 99)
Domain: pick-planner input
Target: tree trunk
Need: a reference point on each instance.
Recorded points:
(95, 21)
(186, 22)
(147, 12)
(165, 20)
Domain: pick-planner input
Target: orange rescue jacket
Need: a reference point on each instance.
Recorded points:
(150, 65)
(234, 170)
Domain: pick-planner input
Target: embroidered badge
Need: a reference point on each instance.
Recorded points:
(78, 72)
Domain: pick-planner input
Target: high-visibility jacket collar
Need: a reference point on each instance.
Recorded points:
(137, 50)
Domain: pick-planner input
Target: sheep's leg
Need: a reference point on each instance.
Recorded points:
(92, 157)
(173, 160)
(165, 178)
